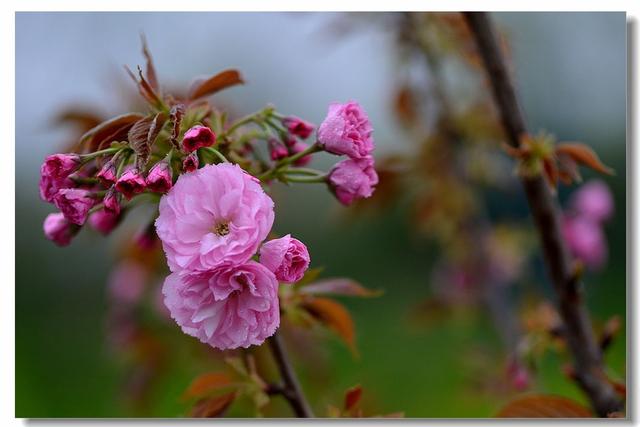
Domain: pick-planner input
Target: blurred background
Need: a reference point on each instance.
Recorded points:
(570, 70)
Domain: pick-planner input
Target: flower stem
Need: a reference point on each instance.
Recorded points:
(588, 363)
(314, 148)
(291, 390)
(305, 179)
(216, 153)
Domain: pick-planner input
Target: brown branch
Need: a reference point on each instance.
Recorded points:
(291, 389)
(587, 356)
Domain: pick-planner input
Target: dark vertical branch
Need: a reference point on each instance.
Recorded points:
(291, 390)
(587, 356)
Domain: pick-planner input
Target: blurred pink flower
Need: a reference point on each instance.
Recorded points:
(353, 179)
(214, 215)
(226, 307)
(586, 240)
(190, 163)
(104, 221)
(127, 282)
(159, 179)
(197, 137)
(287, 258)
(299, 147)
(277, 150)
(131, 183)
(593, 200)
(74, 204)
(346, 130)
(298, 127)
(58, 229)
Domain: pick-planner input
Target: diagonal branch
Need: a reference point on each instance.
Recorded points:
(291, 390)
(587, 356)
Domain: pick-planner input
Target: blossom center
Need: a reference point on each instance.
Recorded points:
(221, 228)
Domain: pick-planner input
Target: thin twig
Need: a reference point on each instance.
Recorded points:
(587, 356)
(291, 389)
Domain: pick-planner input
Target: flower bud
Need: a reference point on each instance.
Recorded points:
(159, 179)
(54, 174)
(346, 130)
(298, 127)
(104, 221)
(190, 163)
(74, 203)
(197, 137)
(58, 229)
(111, 202)
(287, 258)
(298, 148)
(131, 183)
(353, 179)
(277, 150)
(107, 174)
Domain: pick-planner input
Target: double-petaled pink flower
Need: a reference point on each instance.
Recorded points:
(58, 229)
(287, 257)
(214, 215)
(227, 307)
(347, 130)
(74, 203)
(353, 179)
(54, 174)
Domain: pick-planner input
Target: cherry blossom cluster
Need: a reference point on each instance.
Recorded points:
(214, 216)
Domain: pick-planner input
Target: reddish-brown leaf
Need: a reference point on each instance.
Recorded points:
(138, 137)
(352, 397)
(584, 155)
(216, 83)
(206, 384)
(115, 129)
(213, 407)
(335, 316)
(155, 128)
(83, 118)
(175, 116)
(544, 406)
(338, 286)
(151, 69)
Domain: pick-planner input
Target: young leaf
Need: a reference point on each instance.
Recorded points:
(339, 286)
(213, 407)
(584, 155)
(151, 69)
(155, 128)
(114, 129)
(335, 316)
(138, 137)
(544, 406)
(207, 384)
(215, 84)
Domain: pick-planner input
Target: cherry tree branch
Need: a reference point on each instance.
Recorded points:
(587, 357)
(291, 389)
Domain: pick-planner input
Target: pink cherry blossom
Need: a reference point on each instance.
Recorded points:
(226, 307)
(216, 214)
(111, 202)
(190, 163)
(159, 179)
(347, 130)
(593, 200)
(108, 174)
(54, 174)
(197, 137)
(287, 258)
(74, 203)
(58, 229)
(586, 240)
(131, 183)
(104, 221)
(298, 127)
(353, 179)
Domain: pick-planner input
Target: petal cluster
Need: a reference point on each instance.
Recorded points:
(347, 130)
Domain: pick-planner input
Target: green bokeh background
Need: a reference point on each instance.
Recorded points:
(64, 369)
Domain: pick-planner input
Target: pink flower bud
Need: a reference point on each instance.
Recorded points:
(107, 174)
(74, 204)
(111, 202)
(190, 163)
(159, 179)
(287, 258)
(518, 375)
(593, 200)
(290, 141)
(298, 127)
(586, 240)
(346, 130)
(131, 183)
(58, 229)
(353, 179)
(103, 221)
(198, 137)
(277, 150)
(54, 174)
(298, 148)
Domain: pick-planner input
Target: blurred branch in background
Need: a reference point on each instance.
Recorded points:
(588, 364)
